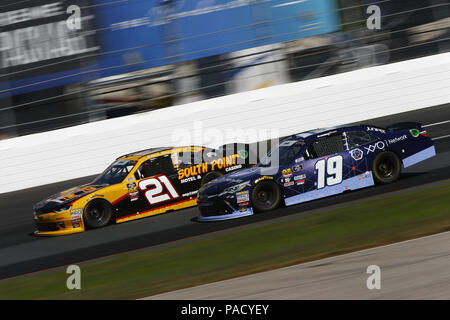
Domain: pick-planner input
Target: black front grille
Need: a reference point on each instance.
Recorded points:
(43, 227)
(213, 207)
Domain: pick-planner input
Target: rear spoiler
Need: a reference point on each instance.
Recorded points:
(404, 125)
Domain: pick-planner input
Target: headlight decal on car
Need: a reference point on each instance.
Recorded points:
(62, 209)
(235, 188)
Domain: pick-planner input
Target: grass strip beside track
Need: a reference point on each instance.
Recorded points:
(304, 238)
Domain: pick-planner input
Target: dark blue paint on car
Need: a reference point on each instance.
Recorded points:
(316, 164)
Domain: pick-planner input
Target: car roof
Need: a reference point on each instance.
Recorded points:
(159, 151)
(319, 131)
(330, 130)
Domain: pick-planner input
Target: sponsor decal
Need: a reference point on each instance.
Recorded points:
(189, 194)
(233, 168)
(357, 154)
(263, 178)
(218, 164)
(133, 192)
(242, 197)
(224, 162)
(75, 215)
(299, 159)
(297, 168)
(401, 138)
(193, 171)
(286, 173)
(76, 225)
(300, 182)
(288, 184)
(376, 129)
(189, 179)
(364, 175)
(175, 160)
(414, 132)
(133, 195)
(288, 179)
(300, 177)
(132, 187)
(380, 145)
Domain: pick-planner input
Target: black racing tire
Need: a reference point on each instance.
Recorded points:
(386, 167)
(266, 196)
(97, 214)
(210, 176)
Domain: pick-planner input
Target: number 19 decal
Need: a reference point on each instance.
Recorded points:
(333, 169)
(157, 194)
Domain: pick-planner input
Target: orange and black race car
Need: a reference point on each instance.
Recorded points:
(138, 185)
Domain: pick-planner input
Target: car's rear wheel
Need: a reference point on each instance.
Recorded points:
(266, 196)
(386, 167)
(97, 214)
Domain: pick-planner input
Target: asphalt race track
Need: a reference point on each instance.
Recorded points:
(21, 252)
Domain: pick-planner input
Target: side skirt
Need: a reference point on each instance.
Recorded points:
(234, 215)
(360, 181)
(152, 212)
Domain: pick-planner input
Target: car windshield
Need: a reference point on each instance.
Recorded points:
(115, 173)
(283, 154)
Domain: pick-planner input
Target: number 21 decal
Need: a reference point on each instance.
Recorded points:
(156, 193)
(333, 168)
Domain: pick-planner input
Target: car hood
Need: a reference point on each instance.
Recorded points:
(65, 198)
(231, 179)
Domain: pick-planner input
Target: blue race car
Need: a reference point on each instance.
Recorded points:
(316, 164)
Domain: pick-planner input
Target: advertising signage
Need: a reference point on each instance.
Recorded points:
(158, 32)
(125, 36)
(42, 42)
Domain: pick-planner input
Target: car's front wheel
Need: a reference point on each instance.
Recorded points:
(210, 177)
(266, 196)
(97, 214)
(386, 167)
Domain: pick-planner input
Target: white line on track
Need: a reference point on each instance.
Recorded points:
(436, 123)
(437, 138)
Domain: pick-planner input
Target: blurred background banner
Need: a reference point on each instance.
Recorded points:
(160, 32)
(139, 34)
(129, 56)
(39, 50)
